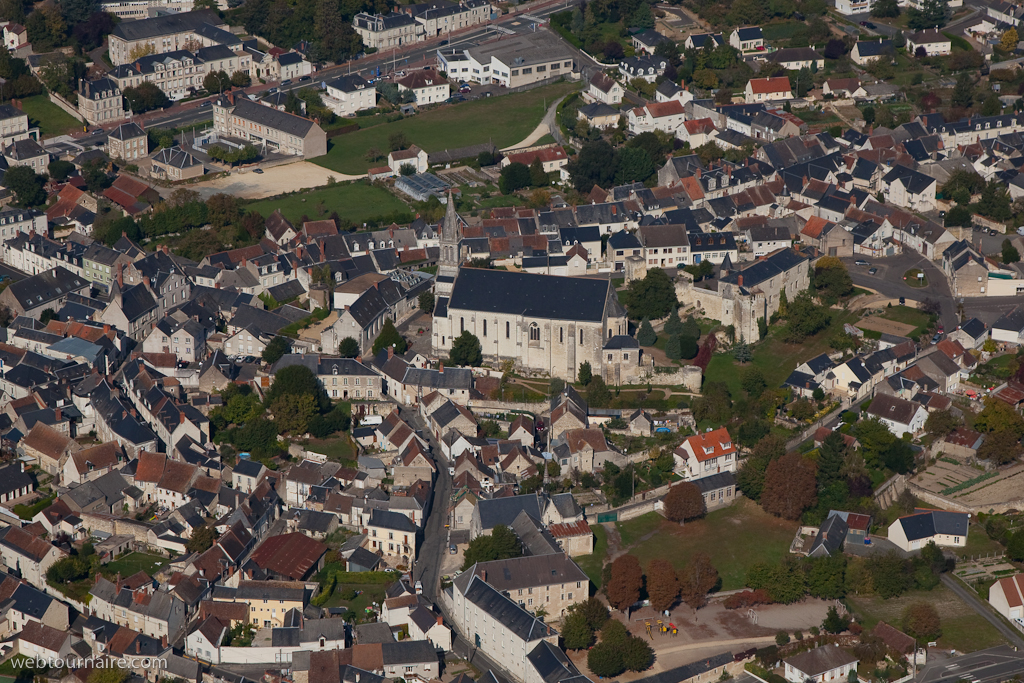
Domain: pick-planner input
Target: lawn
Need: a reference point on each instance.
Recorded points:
(356, 201)
(915, 277)
(727, 535)
(368, 594)
(503, 121)
(783, 30)
(998, 367)
(910, 316)
(339, 449)
(593, 564)
(979, 544)
(133, 563)
(963, 629)
(776, 358)
(51, 119)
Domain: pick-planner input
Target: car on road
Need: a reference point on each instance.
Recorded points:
(204, 104)
(465, 89)
(937, 338)
(285, 82)
(872, 271)
(443, 42)
(868, 24)
(303, 79)
(903, 301)
(451, 471)
(257, 170)
(455, 99)
(860, 262)
(419, 588)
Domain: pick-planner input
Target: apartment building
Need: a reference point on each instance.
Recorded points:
(100, 101)
(188, 31)
(268, 127)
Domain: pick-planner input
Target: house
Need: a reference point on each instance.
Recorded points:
(552, 157)
(347, 95)
(46, 290)
(766, 239)
(768, 90)
(947, 529)
(15, 36)
(291, 557)
(26, 555)
(393, 535)
(599, 115)
(830, 539)
(424, 625)
(646, 67)
(706, 454)
(383, 31)
(43, 643)
(897, 641)
(583, 450)
(718, 489)
(822, 664)
(867, 51)
(514, 61)
(931, 41)
(553, 581)
(204, 642)
(92, 463)
(696, 41)
(427, 85)
(50, 448)
(174, 164)
(747, 39)
(268, 127)
(14, 482)
(909, 189)
(128, 142)
(840, 87)
(971, 334)
(647, 41)
(604, 89)
(1007, 329)
(796, 58)
(664, 116)
(899, 415)
(1006, 595)
(414, 156)
(247, 474)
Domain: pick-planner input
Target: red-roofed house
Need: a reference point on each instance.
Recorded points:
(664, 116)
(1007, 596)
(575, 538)
(291, 556)
(706, 454)
(696, 132)
(552, 157)
(134, 197)
(768, 89)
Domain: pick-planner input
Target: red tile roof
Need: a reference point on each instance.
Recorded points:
(814, 227)
(770, 85)
(291, 555)
(661, 109)
(580, 528)
(718, 442)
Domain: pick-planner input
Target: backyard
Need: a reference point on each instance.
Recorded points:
(338, 449)
(592, 564)
(356, 201)
(963, 629)
(727, 535)
(133, 563)
(503, 121)
(51, 119)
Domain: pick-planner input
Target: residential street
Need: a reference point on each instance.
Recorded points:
(889, 281)
(982, 608)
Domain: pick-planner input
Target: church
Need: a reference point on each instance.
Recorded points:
(545, 323)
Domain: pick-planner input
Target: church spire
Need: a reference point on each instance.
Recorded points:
(450, 225)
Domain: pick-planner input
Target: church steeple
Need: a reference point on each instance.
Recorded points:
(449, 257)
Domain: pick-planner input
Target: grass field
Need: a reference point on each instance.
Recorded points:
(910, 316)
(504, 121)
(998, 367)
(338, 449)
(51, 119)
(783, 30)
(963, 629)
(134, 563)
(368, 594)
(727, 535)
(774, 357)
(356, 201)
(593, 564)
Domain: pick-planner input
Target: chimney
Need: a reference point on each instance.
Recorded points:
(120, 275)
(441, 367)
(56, 414)
(181, 417)
(483, 574)
(163, 642)
(391, 352)
(138, 646)
(697, 174)
(145, 278)
(163, 248)
(739, 280)
(309, 272)
(359, 359)
(440, 621)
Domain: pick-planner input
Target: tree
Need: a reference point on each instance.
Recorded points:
(684, 502)
(60, 169)
(216, 82)
(514, 177)
(466, 350)
(696, 579)
(596, 164)
(889, 575)
(652, 297)
(605, 660)
(1000, 447)
(831, 457)
(348, 348)
(297, 380)
(831, 279)
(502, 544)
(26, 186)
(427, 302)
(826, 577)
(223, 209)
(110, 674)
(538, 176)
(869, 115)
(388, 337)
(753, 382)
(805, 319)
(921, 621)
(1010, 253)
(885, 8)
(145, 97)
(1008, 41)
(1015, 546)
(275, 349)
(240, 79)
(835, 48)
(714, 404)
(963, 91)
(958, 216)
(674, 347)
(637, 654)
(407, 169)
(789, 486)
(47, 315)
(996, 416)
(585, 373)
(781, 638)
(598, 394)
(576, 632)
(742, 352)
(646, 336)
(635, 166)
(662, 584)
(626, 580)
(202, 539)
(833, 623)
(292, 413)
(992, 106)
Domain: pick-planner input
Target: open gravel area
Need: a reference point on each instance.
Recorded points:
(275, 180)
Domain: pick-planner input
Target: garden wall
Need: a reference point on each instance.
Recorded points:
(65, 105)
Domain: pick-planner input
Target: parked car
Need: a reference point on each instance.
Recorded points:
(860, 262)
(903, 301)
(204, 104)
(992, 233)
(285, 82)
(872, 271)
(257, 170)
(937, 338)
(465, 89)
(419, 588)
(303, 79)
(453, 550)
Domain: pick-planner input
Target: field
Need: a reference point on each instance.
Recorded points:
(355, 201)
(592, 564)
(133, 563)
(504, 121)
(727, 535)
(783, 30)
(963, 629)
(51, 119)
(909, 316)
(774, 357)
(338, 449)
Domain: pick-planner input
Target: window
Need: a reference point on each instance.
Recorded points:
(485, 328)
(534, 332)
(581, 337)
(462, 324)
(561, 335)
(508, 330)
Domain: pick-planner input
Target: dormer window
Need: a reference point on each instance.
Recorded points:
(708, 450)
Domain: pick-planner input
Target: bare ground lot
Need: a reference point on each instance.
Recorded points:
(273, 181)
(887, 326)
(1007, 485)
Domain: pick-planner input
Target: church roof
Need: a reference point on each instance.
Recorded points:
(530, 295)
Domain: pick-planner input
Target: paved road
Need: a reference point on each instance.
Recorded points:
(972, 599)
(889, 281)
(994, 665)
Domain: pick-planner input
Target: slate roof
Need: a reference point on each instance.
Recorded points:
(821, 660)
(505, 510)
(830, 538)
(269, 117)
(530, 295)
(502, 609)
(529, 571)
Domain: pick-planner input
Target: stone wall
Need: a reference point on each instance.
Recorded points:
(65, 105)
(117, 526)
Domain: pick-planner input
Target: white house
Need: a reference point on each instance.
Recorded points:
(820, 665)
(947, 529)
(414, 155)
(933, 42)
(349, 94)
(427, 85)
(1007, 596)
(768, 89)
(706, 454)
(603, 88)
(898, 414)
(664, 116)
(747, 39)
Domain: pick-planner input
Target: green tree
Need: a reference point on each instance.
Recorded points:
(869, 115)
(646, 336)
(576, 632)
(26, 186)
(202, 539)
(742, 352)
(110, 674)
(991, 106)
(605, 660)
(652, 297)
(889, 575)
(297, 380)
(426, 302)
(673, 348)
(1010, 253)
(831, 457)
(514, 177)
(60, 169)
(635, 165)
(998, 416)
(885, 8)
(805, 319)
(958, 216)
(216, 82)
(275, 349)
(389, 337)
(1015, 546)
(963, 91)
(673, 325)
(598, 394)
(586, 373)
(833, 623)
(47, 315)
(538, 176)
(1000, 448)
(826, 577)
(753, 382)
(466, 350)
(831, 279)
(687, 347)
(292, 413)
(502, 544)
(596, 164)
(637, 655)
(348, 348)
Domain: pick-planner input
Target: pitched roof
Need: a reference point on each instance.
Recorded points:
(766, 86)
(47, 440)
(291, 555)
(821, 660)
(718, 442)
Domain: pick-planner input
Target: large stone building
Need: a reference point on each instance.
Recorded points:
(100, 101)
(510, 62)
(169, 33)
(545, 323)
(268, 128)
(742, 297)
